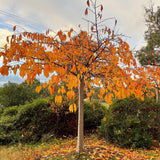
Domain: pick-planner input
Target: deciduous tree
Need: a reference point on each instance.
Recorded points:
(84, 59)
(149, 77)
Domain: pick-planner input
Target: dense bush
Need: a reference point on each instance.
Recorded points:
(25, 123)
(132, 123)
(32, 122)
(93, 114)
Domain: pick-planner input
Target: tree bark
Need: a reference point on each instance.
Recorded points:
(80, 140)
(157, 95)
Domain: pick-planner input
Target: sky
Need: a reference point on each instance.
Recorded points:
(40, 15)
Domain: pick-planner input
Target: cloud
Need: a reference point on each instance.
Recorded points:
(3, 34)
(39, 15)
(130, 16)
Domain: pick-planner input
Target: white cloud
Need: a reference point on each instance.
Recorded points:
(130, 15)
(40, 15)
(3, 34)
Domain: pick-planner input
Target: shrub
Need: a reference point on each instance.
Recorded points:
(8, 133)
(11, 111)
(132, 123)
(34, 120)
(1, 110)
(26, 123)
(30, 123)
(93, 114)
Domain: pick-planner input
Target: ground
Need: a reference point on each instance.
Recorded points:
(64, 149)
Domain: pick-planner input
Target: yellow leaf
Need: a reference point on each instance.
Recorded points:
(28, 80)
(38, 89)
(58, 99)
(142, 98)
(15, 71)
(46, 70)
(59, 90)
(51, 89)
(71, 108)
(108, 99)
(75, 107)
(69, 95)
(63, 90)
(102, 92)
(4, 70)
(45, 85)
(22, 73)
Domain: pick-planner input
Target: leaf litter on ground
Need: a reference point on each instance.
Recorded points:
(65, 149)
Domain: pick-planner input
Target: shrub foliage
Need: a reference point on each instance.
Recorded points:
(34, 121)
(132, 123)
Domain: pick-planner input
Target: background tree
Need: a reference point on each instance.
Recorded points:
(9, 93)
(86, 58)
(149, 76)
(12, 94)
(149, 54)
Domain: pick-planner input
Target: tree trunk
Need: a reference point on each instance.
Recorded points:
(157, 95)
(80, 118)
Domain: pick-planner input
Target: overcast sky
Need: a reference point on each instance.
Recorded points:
(39, 15)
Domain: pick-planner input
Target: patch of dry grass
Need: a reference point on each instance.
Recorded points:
(65, 150)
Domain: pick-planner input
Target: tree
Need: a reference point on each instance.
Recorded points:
(12, 94)
(9, 93)
(149, 76)
(149, 54)
(81, 60)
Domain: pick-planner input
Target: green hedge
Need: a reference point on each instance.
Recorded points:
(132, 123)
(32, 122)
(25, 123)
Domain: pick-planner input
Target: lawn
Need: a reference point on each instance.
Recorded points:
(64, 149)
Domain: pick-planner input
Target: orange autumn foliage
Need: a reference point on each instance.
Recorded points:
(97, 63)
(96, 57)
(149, 76)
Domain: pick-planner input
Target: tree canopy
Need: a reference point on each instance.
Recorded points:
(81, 59)
(149, 54)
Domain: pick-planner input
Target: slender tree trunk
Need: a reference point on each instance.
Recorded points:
(80, 139)
(157, 95)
